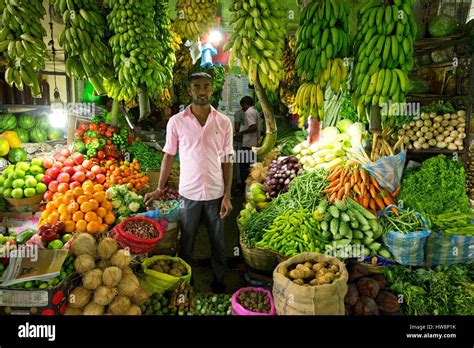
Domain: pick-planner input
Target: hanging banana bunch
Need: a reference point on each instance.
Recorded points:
(138, 58)
(184, 63)
(194, 17)
(289, 86)
(177, 42)
(322, 40)
(258, 39)
(165, 37)
(383, 51)
(21, 41)
(83, 40)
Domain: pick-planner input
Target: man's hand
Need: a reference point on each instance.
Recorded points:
(226, 207)
(152, 196)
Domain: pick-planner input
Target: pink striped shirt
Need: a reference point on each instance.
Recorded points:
(200, 152)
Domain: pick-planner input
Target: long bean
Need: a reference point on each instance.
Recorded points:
(407, 222)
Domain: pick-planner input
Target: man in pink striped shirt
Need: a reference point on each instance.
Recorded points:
(203, 138)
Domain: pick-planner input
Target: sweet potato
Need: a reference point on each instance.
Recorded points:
(365, 306)
(368, 287)
(352, 295)
(387, 302)
(380, 278)
(356, 271)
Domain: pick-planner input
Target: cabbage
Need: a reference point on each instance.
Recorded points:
(342, 125)
(356, 132)
(329, 134)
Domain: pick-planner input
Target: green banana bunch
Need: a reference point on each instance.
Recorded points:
(136, 53)
(165, 37)
(21, 42)
(383, 50)
(184, 64)
(258, 39)
(83, 40)
(194, 17)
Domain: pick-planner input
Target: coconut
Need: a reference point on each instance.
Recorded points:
(93, 309)
(134, 310)
(73, 311)
(79, 297)
(84, 243)
(84, 263)
(121, 258)
(128, 285)
(112, 276)
(92, 279)
(120, 305)
(140, 296)
(107, 247)
(103, 264)
(104, 295)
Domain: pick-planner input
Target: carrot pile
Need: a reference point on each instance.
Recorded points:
(358, 184)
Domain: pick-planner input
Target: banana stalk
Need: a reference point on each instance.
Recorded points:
(143, 103)
(114, 112)
(270, 122)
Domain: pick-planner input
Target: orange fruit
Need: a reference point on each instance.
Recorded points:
(78, 215)
(58, 201)
(107, 205)
(72, 207)
(82, 199)
(103, 228)
(70, 226)
(98, 188)
(101, 212)
(94, 204)
(90, 216)
(93, 227)
(81, 226)
(65, 217)
(52, 218)
(85, 207)
(68, 197)
(109, 218)
(44, 215)
(62, 209)
(99, 220)
(130, 186)
(78, 191)
(99, 196)
(50, 206)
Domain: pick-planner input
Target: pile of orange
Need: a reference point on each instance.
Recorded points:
(82, 209)
(124, 173)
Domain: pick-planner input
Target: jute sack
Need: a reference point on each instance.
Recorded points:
(294, 299)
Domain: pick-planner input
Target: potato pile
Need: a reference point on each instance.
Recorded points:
(109, 285)
(314, 273)
(173, 268)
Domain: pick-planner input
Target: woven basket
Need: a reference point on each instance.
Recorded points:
(259, 259)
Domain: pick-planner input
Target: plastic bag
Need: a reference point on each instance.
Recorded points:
(448, 249)
(154, 281)
(388, 170)
(237, 309)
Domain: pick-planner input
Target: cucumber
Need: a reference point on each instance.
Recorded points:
(369, 234)
(367, 241)
(340, 205)
(324, 226)
(334, 227)
(355, 224)
(345, 217)
(374, 225)
(334, 211)
(375, 246)
(327, 216)
(343, 228)
(366, 228)
(322, 206)
(326, 234)
(357, 207)
(362, 220)
(358, 234)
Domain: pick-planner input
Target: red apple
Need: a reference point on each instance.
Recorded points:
(90, 176)
(47, 179)
(87, 164)
(80, 169)
(63, 187)
(64, 177)
(53, 186)
(69, 170)
(78, 176)
(100, 178)
(48, 162)
(65, 152)
(78, 158)
(96, 170)
(59, 165)
(74, 184)
(48, 196)
(53, 172)
(69, 162)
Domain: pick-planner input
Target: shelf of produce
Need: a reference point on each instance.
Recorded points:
(430, 44)
(19, 108)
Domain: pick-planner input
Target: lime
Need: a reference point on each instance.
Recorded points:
(23, 166)
(7, 193)
(2, 179)
(35, 170)
(8, 183)
(11, 175)
(18, 183)
(39, 177)
(29, 192)
(41, 188)
(55, 244)
(37, 162)
(66, 237)
(31, 182)
(17, 193)
(19, 174)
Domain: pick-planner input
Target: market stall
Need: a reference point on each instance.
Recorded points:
(361, 200)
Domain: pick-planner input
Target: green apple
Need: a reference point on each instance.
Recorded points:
(36, 170)
(37, 162)
(11, 175)
(39, 177)
(18, 183)
(23, 166)
(31, 182)
(9, 170)
(66, 237)
(41, 188)
(8, 183)
(7, 193)
(17, 193)
(29, 192)
(19, 174)
(55, 244)
(2, 180)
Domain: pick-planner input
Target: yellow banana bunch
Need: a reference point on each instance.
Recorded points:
(164, 100)
(310, 101)
(177, 42)
(257, 39)
(383, 54)
(21, 43)
(289, 57)
(194, 17)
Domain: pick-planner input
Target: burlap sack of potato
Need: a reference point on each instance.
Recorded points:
(294, 299)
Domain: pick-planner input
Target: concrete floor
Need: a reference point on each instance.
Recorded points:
(202, 270)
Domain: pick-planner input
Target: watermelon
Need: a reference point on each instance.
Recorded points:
(442, 25)
(17, 155)
(26, 121)
(23, 135)
(38, 135)
(55, 134)
(8, 122)
(43, 122)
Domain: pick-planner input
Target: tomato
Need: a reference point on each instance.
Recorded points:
(100, 154)
(84, 127)
(93, 126)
